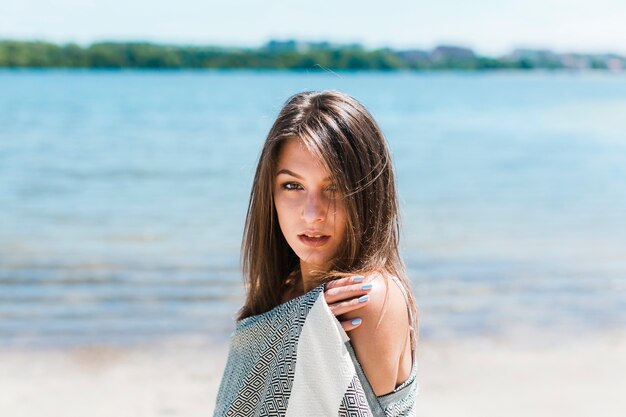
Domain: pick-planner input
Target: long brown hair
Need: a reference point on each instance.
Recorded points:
(343, 135)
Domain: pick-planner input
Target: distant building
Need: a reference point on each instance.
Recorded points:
(616, 64)
(290, 45)
(536, 57)
(320, 45)
(575, 61)
(414, 56)
(450, 52)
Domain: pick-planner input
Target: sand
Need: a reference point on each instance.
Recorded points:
(481, 378)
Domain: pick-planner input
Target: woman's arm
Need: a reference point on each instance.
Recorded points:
(380, 341)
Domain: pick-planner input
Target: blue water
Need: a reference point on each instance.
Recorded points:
(123, 196)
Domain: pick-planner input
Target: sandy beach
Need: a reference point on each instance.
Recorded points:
(481, 378)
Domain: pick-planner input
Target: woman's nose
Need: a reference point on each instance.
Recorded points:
(314, 209)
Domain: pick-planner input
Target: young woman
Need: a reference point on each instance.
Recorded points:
(323, 213)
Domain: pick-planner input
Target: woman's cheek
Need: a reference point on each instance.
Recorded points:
(286, 208)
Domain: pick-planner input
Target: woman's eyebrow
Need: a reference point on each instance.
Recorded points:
(288, 172)
(293, 174)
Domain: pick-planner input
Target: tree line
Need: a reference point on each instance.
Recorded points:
(274, 55)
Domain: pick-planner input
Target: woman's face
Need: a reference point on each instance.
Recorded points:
(311, 214)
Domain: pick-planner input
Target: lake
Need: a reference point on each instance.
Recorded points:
(123, 196)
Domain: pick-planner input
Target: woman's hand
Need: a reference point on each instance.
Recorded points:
(347, 294)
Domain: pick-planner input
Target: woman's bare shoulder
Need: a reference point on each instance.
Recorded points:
(380, 340)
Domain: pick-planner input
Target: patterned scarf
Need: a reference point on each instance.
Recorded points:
(292, 361)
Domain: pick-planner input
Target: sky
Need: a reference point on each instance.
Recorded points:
(490, 27)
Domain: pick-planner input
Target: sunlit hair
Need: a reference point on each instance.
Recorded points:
(342, 134)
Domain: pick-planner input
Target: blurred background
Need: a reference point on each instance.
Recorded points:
(129, 135)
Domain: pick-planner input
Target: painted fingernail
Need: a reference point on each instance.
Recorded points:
(367, 286)
(358, 279)
(363, 298)
(356, 321)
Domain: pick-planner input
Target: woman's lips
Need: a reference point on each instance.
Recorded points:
(313, 241)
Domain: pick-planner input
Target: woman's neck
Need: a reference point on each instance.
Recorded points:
(308, 275)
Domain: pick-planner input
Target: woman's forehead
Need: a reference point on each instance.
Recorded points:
(296, 158)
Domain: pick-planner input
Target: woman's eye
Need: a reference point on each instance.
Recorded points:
(290, 186)
(296, 186)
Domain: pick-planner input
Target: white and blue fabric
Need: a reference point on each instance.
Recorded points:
(297, 361)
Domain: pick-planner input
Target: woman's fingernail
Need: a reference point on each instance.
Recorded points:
(363, 298)
(358, 279)
(367, 286)
(356, 321)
